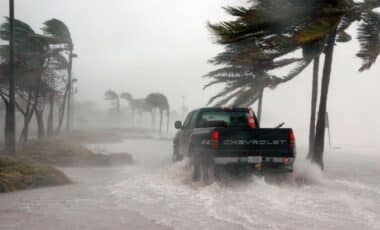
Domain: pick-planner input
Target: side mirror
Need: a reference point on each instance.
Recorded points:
(280, 125)
(178, 125)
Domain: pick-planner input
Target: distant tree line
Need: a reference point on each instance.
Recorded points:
(266, 35)
(150, 104)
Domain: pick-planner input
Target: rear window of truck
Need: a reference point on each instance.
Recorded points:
(223, 119)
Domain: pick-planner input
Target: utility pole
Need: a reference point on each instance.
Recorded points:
(12, 80)
(70, 86)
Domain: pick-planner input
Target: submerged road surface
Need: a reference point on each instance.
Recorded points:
(156, 194)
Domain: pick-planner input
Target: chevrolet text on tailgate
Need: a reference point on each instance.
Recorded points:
(214, 137)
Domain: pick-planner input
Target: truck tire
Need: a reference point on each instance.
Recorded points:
(196, 174)
(203, 168)
(176, 156)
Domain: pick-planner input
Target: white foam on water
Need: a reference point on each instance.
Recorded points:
(307, 199)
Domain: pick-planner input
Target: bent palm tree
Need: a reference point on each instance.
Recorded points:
(59, 34)
(160, 101)
(112, 96)
(282, 26)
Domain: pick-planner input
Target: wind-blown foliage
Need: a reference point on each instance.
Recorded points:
(39, 62)
(369, 39)
(271, 30)
(160, 101)
(57, 31)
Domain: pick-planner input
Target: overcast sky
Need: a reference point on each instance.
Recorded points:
(143, 46)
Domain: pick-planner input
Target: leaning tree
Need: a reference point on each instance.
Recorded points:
(114, 98)
(160, 101)
(61, 42)
(283, 26)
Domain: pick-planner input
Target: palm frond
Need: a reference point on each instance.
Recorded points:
(111, 95)
(228, 71)
(369, 39)
(318, 29)
(58, 30)
(126, 96)
(297, 70)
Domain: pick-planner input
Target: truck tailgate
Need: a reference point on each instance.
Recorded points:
(263, 142)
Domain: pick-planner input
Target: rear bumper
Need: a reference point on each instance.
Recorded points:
(258, 163)
(272, 161)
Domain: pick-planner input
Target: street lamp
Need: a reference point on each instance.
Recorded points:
(11, 145)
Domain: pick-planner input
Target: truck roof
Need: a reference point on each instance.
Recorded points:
(217, 109)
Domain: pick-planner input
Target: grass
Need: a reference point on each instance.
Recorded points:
(33, 164)
(60, 152)
(16, 174)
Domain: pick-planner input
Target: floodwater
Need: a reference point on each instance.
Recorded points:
(156, 194)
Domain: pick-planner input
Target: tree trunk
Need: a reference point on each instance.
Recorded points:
(153, 116)
(40, 124)
(50, 121)
(260, 106)
(319, 143)
(69, 86)
(161, 118)
(118, 104)
(168, 120)
(25, 130)
(314, 98)
(8, 125)
(62, 111)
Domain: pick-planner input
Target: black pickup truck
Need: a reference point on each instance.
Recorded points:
(232, 136)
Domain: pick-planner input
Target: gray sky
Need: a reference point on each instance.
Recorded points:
(141, 46)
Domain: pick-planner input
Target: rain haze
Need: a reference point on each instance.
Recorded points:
(150, 46)
(136, 46)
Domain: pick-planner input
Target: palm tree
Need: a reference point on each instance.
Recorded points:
(160, 101)
(368, 37)
(112, 96)
(284, 26)
(59, 34)
(129, 98)
(248, 53)
(31, 53)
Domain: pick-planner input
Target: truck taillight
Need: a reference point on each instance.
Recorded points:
(251, 119)
(286, 160)
(215, 139)
(292, 140)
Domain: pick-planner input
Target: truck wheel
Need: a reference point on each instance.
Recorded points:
(176, 157)
(196, 174)
(203, 168)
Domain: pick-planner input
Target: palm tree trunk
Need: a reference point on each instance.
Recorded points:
(118, 104)
(25, 130)
(319, 143)
(69, 85)
(7, 126)
(50, 121)
(153, 123)
(168, 120)
(62, 111)
(314, 98)
(40, 124)
(161, 117)
(260, 106)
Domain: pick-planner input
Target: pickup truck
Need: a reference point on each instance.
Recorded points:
(213, 137)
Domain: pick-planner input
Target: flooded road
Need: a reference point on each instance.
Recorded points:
(155, 194)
